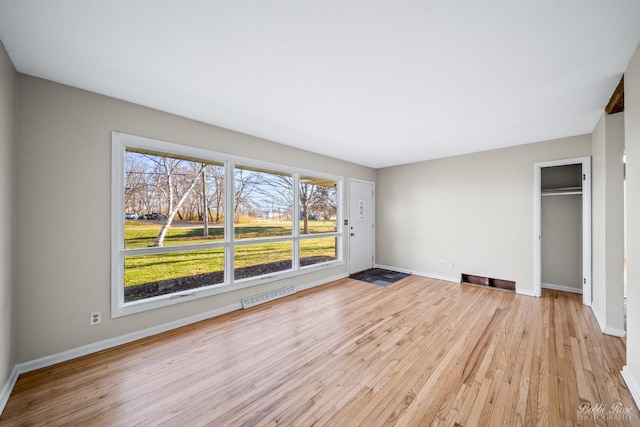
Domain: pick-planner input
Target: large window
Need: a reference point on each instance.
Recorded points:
(190, 222)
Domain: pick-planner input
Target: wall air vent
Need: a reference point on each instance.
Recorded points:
(268, 296)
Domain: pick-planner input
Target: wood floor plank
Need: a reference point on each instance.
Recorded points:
(417, 352)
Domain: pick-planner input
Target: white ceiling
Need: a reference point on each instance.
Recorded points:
(375, 82)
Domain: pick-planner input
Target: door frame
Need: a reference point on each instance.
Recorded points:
(373, 220)
(586, 224)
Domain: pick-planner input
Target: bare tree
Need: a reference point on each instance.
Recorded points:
(313, 197)
(174, 182)
(174, 209)
(217, 177)
(166, 184)
(135, 184)
(326, 204)
(245, 182)
(308, 197)
(205, 209)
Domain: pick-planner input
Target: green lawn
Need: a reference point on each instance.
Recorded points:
(142, 234)
(151, 268)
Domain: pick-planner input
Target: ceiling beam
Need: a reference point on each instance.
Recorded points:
(616, 102)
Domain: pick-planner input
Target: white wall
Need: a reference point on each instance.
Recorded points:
(608, 222)
(475, 211)
(7, 143)
(632, 146)
(63, 211)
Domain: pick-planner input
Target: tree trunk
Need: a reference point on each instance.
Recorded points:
(304, 202)
(163, 231)
(305, 219)
(205, 209)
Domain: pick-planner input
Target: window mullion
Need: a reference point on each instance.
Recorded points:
(255, 246)
(296, 222)
(117, 223)
(168, 249)
(339, 219)
(229, 191)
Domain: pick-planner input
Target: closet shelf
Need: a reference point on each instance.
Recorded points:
(561, 191)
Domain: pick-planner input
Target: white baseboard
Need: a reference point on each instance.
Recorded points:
(144, 333)
(84, 350)
(526, 292)
(419, 273)
(562, 288)
(599, 317)
(43, 362)
(445, 278)
(614, 332)
(632, 384)
(320, 282)
(603, 324)
(7, 388)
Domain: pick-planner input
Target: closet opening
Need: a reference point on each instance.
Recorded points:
(562, 212)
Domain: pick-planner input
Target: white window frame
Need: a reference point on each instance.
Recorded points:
(121, 141)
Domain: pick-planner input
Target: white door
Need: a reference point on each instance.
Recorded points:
(360, 223)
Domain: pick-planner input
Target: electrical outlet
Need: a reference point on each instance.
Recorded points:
(96, 318)
(441, 263)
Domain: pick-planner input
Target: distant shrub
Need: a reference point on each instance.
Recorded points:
(242, 219)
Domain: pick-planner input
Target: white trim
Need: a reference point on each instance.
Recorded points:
(117, 224)
(614, 332)
(120, 141)
(207, 291)
(537, 232)
(295, 260)
(599, 318)
(84, 350)
(632, 384)
(526, 292)
(587, 290)
(320, 282)
(8, 388)
(446, 278)
(562, 288)
(229, 250)
(181, 150)
(586, 224)
(439, 277)
(419, 273)
(603, 324)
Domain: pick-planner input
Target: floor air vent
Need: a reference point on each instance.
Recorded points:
(488, 281)
(268, 296)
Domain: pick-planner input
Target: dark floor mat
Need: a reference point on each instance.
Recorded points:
(379, 276)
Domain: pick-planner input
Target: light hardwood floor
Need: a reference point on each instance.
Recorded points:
(417, 352)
